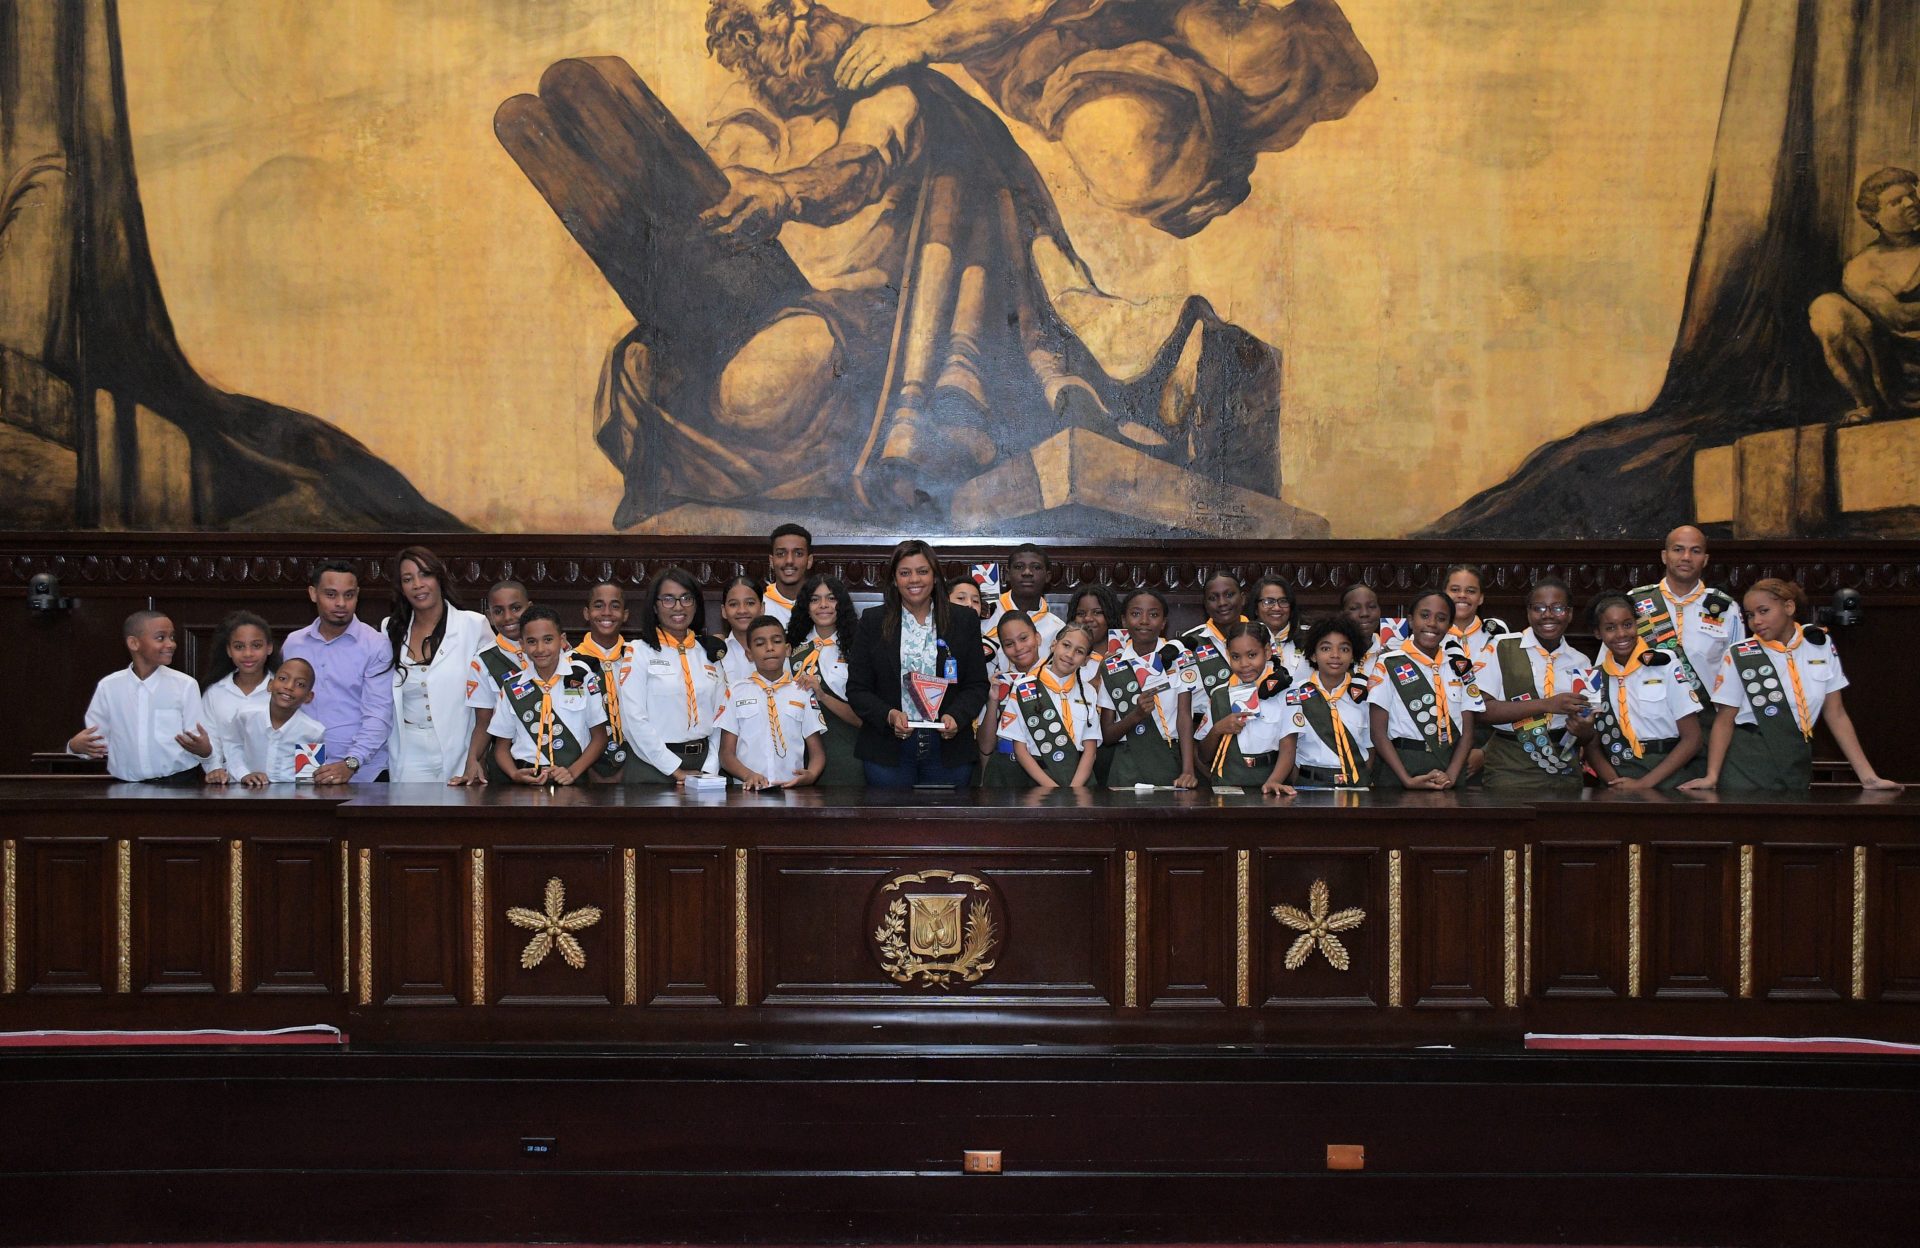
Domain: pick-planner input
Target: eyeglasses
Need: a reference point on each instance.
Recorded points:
(674, 600)
(1558, 608)
(1273, 602)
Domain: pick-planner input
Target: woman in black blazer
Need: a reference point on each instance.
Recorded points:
(943, 640)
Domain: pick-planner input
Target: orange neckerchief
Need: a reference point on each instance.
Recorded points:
(773, 710)
(511, 649)
(611, 693)
(1620, 673)
(1234, 682)
(1793, 671)
(686, 672)
(1680, 605)
(820, 646)
(772, 594)
(543, 735)
(1342, 739)
(1546, 685)
(1060, 692)
(1437, 677)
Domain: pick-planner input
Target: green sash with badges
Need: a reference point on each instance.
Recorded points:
(523, 695)
(1053, 746)
(1772, 713)
(499, 666)
(1323, 717)
(1532, 735)
(1210, 657)
(1655, 622)
(1416, 694)
(1231, 765)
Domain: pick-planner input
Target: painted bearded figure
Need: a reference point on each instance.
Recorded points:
(907, 265)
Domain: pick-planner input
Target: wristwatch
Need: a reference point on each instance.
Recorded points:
(351, 763)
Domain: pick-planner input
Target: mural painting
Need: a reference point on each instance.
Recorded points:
(1092, 268)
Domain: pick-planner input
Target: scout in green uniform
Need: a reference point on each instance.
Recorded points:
(1360, 604)
(551, 723)
(1474, 634)
(1152, 731)
(1327, 736)
(1242, 740)
(1646, 719)
(1777, 684)
(1689, 619)
(823, 621)
(1537, 684)
(1225, 602)
(1095, 607)
(1058, 730)
(1019, 656)
(1421, 703)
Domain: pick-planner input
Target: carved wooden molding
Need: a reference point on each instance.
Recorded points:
(275, 565)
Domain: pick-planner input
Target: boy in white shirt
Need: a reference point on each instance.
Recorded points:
(278, 742)
(145, 719)
(771, 730)
(551, 723)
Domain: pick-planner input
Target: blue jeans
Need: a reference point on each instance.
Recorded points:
(919, 765)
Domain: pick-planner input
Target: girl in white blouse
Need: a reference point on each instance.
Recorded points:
(243, 654)
(823, 623)
(1646, 721)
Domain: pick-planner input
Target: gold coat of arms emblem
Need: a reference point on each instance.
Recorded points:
(937, 938)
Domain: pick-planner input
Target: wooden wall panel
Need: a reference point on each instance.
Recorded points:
(1187, 929)
(180, 914)
(1692, 921)
(1356, 879)
(66, 914)
(292, 932)
(1803, 922)
(1580, 920)
(687, 925)
(419, 927)
(1894, 914)
(1453, 900)
(588, 907)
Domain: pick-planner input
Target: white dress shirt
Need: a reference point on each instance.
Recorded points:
(290, 752)
(139, 718)
(219, 703)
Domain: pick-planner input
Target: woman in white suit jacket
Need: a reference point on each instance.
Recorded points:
(433, 642)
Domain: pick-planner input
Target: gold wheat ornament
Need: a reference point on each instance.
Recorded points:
(554, 929)
(1317, 928)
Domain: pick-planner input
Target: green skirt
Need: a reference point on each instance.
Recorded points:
(1247, 773)
(1144, 758)
(1418, 762)
(1000, 771)
(1509, 769)
(843, 770)
(1634, 768)
(1757, 762)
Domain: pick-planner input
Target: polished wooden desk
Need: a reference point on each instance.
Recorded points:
(418, 914)
(731, 1054)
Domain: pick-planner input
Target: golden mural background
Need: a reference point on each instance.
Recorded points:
(1490, 251)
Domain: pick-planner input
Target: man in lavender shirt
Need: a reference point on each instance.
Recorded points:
(352, 679)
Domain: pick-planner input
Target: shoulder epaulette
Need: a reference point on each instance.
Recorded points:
(1170, 652)
(1492, 627)
(1720, 595)
(715, 647)
(1462, 665)
(1656, 658)
(1638, 590)
(1272, 685)
(1815, 634)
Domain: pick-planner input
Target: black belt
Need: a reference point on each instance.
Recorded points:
(1665, 745)
(1330, 775)
(1256, 760)
(688, 749)
(1408, 743)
